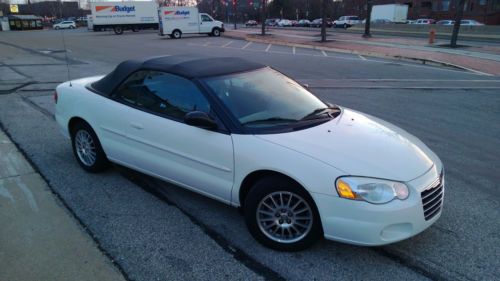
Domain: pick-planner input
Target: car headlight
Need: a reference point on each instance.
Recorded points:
(376, 191)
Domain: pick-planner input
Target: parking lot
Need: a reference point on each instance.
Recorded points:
(153, 230)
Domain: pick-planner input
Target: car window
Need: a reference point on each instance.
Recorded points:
(205, 18)
(127, 92)
(170, 95)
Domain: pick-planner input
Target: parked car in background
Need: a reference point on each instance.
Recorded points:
(346, 21)
(65, 25)
(382, 21)
(319, 22)
(425, 21)
(410, 22)
(470, 23)
(251, 23)
(294, 22)
(284, 23)
(304, 23)
(446, 22)
(272, 22)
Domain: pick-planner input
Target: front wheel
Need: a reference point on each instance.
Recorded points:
(216, 32)
(87, 148)
(281, 215)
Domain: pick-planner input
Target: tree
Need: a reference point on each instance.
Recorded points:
(369, 4)
(456, 26)
(263, 17)
(323, 20)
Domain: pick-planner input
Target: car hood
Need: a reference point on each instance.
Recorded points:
(363, 145)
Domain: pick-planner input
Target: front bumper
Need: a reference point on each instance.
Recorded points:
(362, 223)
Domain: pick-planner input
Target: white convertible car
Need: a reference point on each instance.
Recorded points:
(247, 135)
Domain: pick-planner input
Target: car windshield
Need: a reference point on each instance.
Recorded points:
(265, 98)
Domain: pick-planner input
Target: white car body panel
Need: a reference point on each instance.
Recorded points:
(215, 164)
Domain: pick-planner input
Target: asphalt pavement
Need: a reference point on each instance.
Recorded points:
(155, 231)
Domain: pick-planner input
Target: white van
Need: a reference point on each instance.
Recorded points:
(175, 21)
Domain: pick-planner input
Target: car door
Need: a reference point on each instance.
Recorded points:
(165, 146)
(206, 23)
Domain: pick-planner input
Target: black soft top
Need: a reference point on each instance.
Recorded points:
(188, 66)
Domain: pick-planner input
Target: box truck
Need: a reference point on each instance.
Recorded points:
(176, 21)
(394, 12)
(126, 15)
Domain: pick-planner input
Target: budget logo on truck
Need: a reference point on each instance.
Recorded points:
(115, 9)
(177, 14)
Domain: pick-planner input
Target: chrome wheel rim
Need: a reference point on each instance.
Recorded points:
(284, 217)
(85, 148)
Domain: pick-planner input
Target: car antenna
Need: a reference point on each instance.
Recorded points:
(66, 56)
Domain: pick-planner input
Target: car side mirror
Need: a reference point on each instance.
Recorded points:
(305, 85)
(200, 119)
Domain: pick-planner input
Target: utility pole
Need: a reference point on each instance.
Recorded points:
(369, 4)
(323, 20)
(263, 17)
(456, 26)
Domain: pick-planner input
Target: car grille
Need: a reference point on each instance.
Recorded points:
(432, 198)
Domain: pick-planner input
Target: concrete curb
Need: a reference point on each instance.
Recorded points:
(371, 54)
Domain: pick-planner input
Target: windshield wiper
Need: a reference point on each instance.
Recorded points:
(269, 120)
(318, 112)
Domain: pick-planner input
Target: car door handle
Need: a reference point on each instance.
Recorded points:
(136, 126)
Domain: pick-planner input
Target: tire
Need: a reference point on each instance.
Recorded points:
(71, 27)
(271, 210)
(87, 148)
(176, 34)
(135, 29)
(56, 28)
(118, 30)
(216, 32)
(345, 25)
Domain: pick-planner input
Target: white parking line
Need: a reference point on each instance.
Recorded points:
(361, 57)
(248, 44)
(324, 53)
(268, 47)
(227, 44)
(293, 50)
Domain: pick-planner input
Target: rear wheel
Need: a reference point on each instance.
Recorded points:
(176, 34)
(118, 30)
(281, 215)
(345, 25)
(87, 148)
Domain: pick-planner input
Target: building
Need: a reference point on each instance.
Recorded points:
(485, 11)
(24, 22)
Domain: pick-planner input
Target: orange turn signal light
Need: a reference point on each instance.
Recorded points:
(345, 190)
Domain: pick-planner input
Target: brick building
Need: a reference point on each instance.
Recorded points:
(485, 11)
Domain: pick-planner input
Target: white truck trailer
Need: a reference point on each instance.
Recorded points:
(175, 21)
(126, 15)
(396, 13)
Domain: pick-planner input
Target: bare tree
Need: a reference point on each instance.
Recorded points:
(323, 20)
(456, 26)
(369, 4)
(263, 17)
